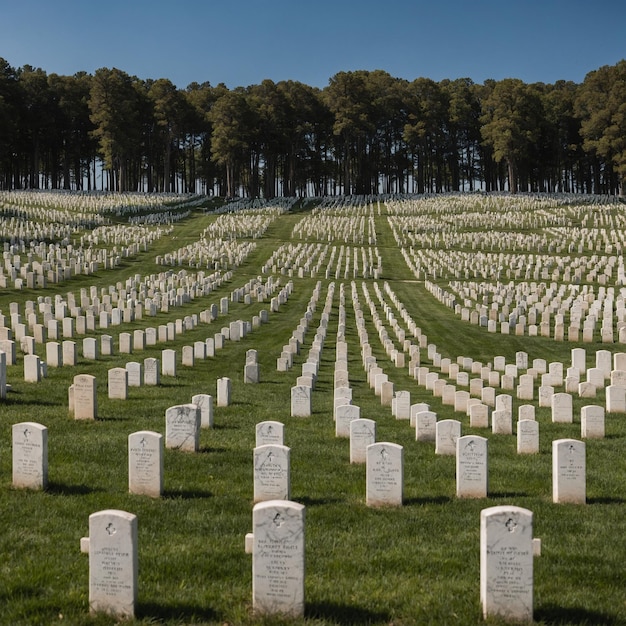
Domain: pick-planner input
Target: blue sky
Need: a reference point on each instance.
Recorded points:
(242, 42)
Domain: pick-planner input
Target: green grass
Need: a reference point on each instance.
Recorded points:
(418, 564)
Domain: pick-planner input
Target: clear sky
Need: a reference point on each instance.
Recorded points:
(242, 42)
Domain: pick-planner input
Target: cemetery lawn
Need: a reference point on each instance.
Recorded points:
(415, 564)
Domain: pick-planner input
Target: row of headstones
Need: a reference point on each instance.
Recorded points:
(83, 401)
(504, 375)
(59, 354)
(525, 303)
(127, 301)
(65, 353)
(521, 326)
(592, 417)
(217, 254)
(145, 448)
(507, 549)
(384, 460)
(285, 361)
(441, 262)
(337, 225)
(551, 378)
(59, 324)
(301, 392)
(308, 260)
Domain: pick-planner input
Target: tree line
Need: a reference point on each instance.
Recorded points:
(366, 132)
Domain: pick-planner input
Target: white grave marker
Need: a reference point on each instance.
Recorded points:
(506, 563)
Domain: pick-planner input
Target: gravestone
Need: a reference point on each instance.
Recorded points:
(592, 422)
(251, 373)
(135, 373)
(145, 463)
(113, 563)
(384, 474)
(204, 402)
(300, 401)
(32, 368)
(118, 383)
(269, 432)
(526, 412)
(506, 563)
(568, 471)
(415, 409)
(615, 399)
(90, 348)
(278, 566)
(562, 408)
(471, 467)
(182, 427)
(85, 405)
(168, 362)
(527, 436)
(426, 426)
(188, 356)
(545, 395)
(479, 415)
(502, 422)
(344, 414)
(54, 354)
(271, 472)
(362, 435)
(446, 434)
(151, 372)
(69, 353)
(402, 405)
(30, 455)
(224, 390)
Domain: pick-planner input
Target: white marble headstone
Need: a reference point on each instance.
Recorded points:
(278, 564)
(384, 474)
(362, 434)
(272, 479)
(30, 455)
(145, 463)
(471, 467)
(568, 471)
(506, 563)
(113, 563)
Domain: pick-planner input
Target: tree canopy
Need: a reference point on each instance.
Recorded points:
(366, 132)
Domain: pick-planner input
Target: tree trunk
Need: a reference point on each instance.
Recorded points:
(512, 172)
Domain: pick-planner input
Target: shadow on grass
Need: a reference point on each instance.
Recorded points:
(15, 398)
(111, 418)
(209, 450)
(344, 614)
(605, 500)
(558, 615)
(61, 489)
(180, 613)
(186, 494)
(307, 501)
(433, 500)
(507, 494)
